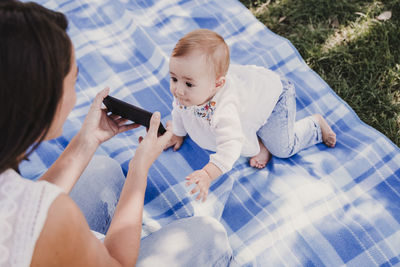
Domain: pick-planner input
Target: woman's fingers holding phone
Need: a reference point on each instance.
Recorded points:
(151, 145)
(154, 123)
(98, 100)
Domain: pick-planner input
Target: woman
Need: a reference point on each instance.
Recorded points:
(40, 224)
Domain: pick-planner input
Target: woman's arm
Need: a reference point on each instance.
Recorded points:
(229, 139)
(70, 165)
(97, 128)
(66, 239)
(123, 236)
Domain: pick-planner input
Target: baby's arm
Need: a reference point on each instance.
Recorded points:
(203, 179)
(229, 139)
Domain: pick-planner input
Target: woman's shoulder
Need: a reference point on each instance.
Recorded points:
(11, 178)
(42, 226)
(24, 209)
(62, 228)
(66, 239)
(25, 193)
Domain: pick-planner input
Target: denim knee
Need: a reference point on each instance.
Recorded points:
(281, 152)
(97, 191)
(210, 229)
(193, 241)
(214, 236)
(104, 171)
(105, 164)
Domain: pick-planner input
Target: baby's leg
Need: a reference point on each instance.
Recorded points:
(261, 159)
(328, 135)
(284, 136)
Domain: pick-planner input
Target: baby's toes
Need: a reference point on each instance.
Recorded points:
(253, 162)
(260, 165)
(330, 140)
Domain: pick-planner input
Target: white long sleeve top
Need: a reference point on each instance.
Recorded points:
(228, 123)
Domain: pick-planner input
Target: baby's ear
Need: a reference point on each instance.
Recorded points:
(220, 82)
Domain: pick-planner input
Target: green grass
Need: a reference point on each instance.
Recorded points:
(355, 53)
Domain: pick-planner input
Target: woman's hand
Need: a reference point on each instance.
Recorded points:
(151, 145)
(98, 126)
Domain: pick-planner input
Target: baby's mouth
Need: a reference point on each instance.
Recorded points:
(181, 100)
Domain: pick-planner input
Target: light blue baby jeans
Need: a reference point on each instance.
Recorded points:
(192, 241)
(282, 135)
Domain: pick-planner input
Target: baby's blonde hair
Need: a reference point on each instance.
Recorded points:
(208, 42)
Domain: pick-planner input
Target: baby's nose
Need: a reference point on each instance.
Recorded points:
(179, 90)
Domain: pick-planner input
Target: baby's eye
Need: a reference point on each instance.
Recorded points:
(174, 79)
(189, 84)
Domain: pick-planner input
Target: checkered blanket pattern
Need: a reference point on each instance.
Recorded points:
(321, 207)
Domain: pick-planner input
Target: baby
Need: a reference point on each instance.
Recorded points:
(234, 110)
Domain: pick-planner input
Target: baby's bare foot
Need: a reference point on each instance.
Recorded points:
(260, 160)
(328, 135)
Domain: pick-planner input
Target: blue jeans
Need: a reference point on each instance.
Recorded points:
(97, 191)
(282, 135)
(193, 241)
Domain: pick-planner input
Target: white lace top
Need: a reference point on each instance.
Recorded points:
(23, 210)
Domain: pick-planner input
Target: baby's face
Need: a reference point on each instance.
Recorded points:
(192, 79)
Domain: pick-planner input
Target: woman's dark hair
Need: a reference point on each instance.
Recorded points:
(35, 57)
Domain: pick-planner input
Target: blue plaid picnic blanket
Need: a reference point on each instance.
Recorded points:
(321, 207)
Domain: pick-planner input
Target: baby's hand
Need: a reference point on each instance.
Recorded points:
(175, 141)
(202, 181)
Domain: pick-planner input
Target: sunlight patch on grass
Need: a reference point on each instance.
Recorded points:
(260, 9)
(354, 30)
(348, 34)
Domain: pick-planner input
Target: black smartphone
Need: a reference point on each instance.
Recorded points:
(130, 112)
